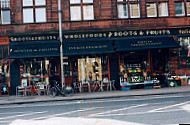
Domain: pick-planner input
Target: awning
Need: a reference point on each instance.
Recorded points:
(145, 43)
(34, 49)
(87, 47)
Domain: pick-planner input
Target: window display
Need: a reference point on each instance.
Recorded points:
(92, 69)
(184, 51)
(4, 71)
(34, 71)
(134, 68)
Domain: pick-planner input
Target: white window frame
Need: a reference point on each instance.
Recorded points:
(183, 10)
(121, 14)
(167, 14)
(138, 11)
(81, 4)
(34, 14)
(2, 21)
(188, 2)
(5, 6)
(154, 11)
(25, 18)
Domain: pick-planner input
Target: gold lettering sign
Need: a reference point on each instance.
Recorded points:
(33, 38)
(88, 47)
(184, 31)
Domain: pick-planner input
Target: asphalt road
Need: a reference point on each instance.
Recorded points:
(157, 109)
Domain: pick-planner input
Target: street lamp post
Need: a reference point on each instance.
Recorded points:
(61, 43)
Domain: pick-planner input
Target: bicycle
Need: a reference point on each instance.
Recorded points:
(56, 90)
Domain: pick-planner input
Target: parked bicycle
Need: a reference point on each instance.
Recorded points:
(56, 89)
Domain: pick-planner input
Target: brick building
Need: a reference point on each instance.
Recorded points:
(122, 36)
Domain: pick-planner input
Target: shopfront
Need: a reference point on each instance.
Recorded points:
(139, 56)
(4, 66)
(35, 60)
(87, 61)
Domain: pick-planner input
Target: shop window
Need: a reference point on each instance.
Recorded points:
(151, 9)
(188, 8)
(179, 9)
(81, 10)
(4, 71)
(163, 9)
(157, 8)
(184, 51)
(128, 8)
(5, 12)
(34, 71)
(134, 67)
(34, 11)
(93, 69)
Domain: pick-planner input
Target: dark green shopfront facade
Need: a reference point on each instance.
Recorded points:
(36, 57)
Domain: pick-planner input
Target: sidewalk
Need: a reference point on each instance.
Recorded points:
(5, 100)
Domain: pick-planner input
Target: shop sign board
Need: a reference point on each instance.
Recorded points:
(4, 40)
(125, 34)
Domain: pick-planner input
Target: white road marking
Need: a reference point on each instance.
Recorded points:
(65, 113)
(170, 106)
(111, 111)
(186, 107)
(11, 113)
(21, 115)
(139, 113)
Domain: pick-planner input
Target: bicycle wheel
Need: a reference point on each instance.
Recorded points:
(53, 92)
(68, 91)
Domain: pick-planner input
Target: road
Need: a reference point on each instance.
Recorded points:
(155, 109)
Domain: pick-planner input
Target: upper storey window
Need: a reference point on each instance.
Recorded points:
(5, 12)
(155, 9)
(128, 8)
(179, 9)
(34, 11)
(81, 10)
(188, 8)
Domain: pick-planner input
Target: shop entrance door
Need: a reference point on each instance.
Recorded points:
(160, 61)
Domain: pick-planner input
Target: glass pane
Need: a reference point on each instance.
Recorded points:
(89, 69)
(75, 13)
(88, 12)
(27, 2)
(188, 8)
(179, 8)
(87, 1)
(151, 9)
(5, 3)
(122, 11)
(134, 10)
(28, 16)
(40, 2)
(163, 9)
(40, 15)
(6, 17)
(74, 1)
